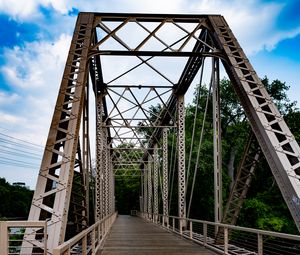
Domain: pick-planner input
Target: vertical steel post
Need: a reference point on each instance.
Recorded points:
(260, 249)
(149, 187)
(181, 158)
(217, 142)
(142, 192)
(110, 179)
(105, 173)
(155, 183)
(165, 176)
(99, 160)
(85, 152)
(112, 188)
(145, 189)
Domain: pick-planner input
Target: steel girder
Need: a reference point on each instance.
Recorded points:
(125, 117)
(245, 173)
(165, 177)
(276, 140)
(155, 183)
(51, 198)
(145, 193)
(150, 189)
(99, 194)
(217, 142)
(181, 158)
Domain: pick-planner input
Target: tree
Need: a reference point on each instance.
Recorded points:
(259, 208)
(127, 177)
(15, 200)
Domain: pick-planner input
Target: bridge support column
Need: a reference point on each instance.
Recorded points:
(181, 160)
(149, 189)
(217, 143)
(99, 161)
(142, 192)
(145, 194)
(155, 184)
(111, 184)
(165, 178)
(86, 159)
(105, 174)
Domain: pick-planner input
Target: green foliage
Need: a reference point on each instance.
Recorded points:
(127, 180)
(15, 200)
(278, 91)
(264, 207)
(127, 194)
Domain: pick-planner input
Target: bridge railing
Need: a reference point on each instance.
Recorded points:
(14, 237)
(88, 241)
(228, 239)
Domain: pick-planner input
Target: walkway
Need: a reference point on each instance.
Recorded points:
(131, 235)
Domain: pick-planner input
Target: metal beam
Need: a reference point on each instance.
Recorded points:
(181, 158)
(217, 142)
(165, 177)
(275, 139)
(51, 198)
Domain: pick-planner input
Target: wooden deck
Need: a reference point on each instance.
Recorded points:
(132, 236)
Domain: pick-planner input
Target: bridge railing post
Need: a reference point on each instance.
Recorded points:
(3, 237)
(84, 245)
(205, 234)
(93, 241)
(45, 239)
(173, 223)
(99, 234)
(166, 221)
(260, 244)
(180, 225)
(225, 240)
(106, 227)
(191, 230)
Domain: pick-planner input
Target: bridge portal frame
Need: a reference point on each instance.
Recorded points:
(213, 38)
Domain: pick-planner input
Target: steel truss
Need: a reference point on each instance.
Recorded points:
(245, 172)
(129, 75)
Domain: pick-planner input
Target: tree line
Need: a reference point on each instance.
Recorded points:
(15, 201)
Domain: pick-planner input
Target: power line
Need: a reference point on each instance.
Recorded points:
(3, 140)
(7, 163)
(24, 141)
(19, 149)
(15, 160)
(19, 154)
(23, 151)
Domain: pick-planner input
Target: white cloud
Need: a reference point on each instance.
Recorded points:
(35, 71)
(28, 9)
(252, 21)
(36, 63)
(6, 98)
(18, 8)
(8, 119)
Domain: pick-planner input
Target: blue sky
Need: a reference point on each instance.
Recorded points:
(35, 36)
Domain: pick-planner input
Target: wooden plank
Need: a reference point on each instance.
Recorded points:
(132, 235)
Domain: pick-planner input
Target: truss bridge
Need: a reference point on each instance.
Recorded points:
(121, 113)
